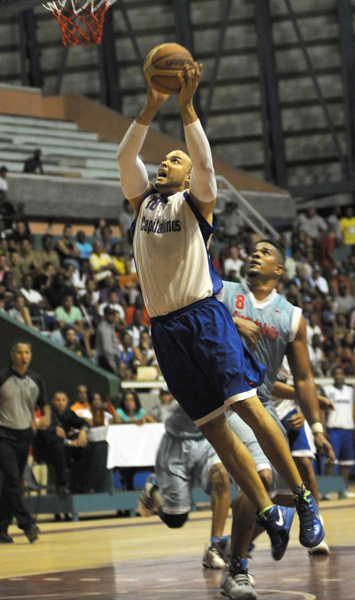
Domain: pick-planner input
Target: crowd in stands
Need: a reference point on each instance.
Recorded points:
(84, 294)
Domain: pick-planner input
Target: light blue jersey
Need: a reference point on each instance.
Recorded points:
(278, 320)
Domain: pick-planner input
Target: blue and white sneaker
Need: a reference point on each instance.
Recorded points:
(277, 521)
(235, 581)
(146, 506)
(311, 528)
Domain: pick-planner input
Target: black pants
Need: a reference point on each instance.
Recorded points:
(14, 447)
(53, 454)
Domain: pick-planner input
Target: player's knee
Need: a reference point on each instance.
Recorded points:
(219, 478)
(173, 521)
(266, 477)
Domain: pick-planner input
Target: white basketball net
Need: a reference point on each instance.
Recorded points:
(92, 5)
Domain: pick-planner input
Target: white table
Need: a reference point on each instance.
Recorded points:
(130, 445)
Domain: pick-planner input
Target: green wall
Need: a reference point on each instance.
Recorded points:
(60, 368)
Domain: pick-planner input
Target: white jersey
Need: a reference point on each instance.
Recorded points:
(343, 400)
(170, 246)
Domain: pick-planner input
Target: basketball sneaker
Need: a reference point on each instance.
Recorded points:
(146, 503)
(217, 552)
(321, 548)
(235, 582)
(277, 521)
(311, 528)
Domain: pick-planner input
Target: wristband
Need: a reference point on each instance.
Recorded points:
(317, 428)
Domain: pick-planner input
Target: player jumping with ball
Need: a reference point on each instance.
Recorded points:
(201, 356)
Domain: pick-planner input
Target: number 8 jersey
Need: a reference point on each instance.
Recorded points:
(278, 320)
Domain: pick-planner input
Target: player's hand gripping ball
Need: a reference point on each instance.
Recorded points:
(162, 65)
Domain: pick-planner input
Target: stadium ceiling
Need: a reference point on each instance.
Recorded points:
(12, 7)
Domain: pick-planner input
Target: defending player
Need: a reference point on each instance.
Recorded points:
(201, 357)
(274, 328)
(185, 456)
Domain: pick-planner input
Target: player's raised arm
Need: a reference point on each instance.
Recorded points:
(203, 185)
(133, 174)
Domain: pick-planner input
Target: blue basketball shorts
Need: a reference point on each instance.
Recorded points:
(342, 441)
(301, 442)
(203, 360)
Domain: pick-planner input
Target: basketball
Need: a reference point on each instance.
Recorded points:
(162, 65)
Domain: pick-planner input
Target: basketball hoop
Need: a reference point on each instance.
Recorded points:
(82, 21)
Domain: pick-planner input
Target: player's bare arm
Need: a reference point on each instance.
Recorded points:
(203, 187)
(134, 177)
(297, 355)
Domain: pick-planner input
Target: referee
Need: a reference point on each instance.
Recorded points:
(21, 391)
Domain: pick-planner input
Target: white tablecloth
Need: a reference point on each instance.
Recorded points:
(130, 445)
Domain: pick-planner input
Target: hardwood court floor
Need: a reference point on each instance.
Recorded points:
(141, 559)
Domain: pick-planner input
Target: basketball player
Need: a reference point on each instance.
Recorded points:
(282, 331)
(184, 455)
(202, 359)
(340, 425)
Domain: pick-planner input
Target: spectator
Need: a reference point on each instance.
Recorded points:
(88, 309)
(230, 221)
(316, 355)
(7, 210)
(319, 281)
(84, 247)
(347, 225)
(110, 284)
(34, 164)
(58, 445)
(20, 311)
(44, 280)
(66, 247)
(101, 263)
(82, 405)
(107, 348)
(144, 355)
(100, 416)
(346, 353)
(113, 302)
(340, 328)
(344, 301)
(68, 314)
(340, 426)
(20, 233)
(48, 253)
(313, 328)
(136, 328)
(119, 259)
(28, 258)
(312, 224)
(131, 410)
(106, 240)
(232, 265)
(4, 268)
(32, 297)
(15, 267)
(71, 341)
(328, 317)
(334, 225)
(126, 355)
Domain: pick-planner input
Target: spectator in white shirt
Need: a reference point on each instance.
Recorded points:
(319, 281)
(112, 303)
(233, 264)
(316, 355)
(31, 295)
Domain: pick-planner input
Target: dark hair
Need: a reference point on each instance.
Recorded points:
(19, 342)
(47, 236)
(163, 392)
(136, 399)
(276, 245)
(335, 369)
